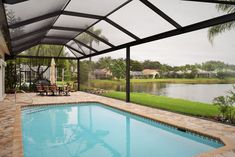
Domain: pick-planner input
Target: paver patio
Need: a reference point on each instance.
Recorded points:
(10, 132)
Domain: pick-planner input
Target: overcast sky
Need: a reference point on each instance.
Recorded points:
(188, 48)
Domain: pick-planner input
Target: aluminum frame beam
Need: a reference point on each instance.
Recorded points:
(83, 54)
(35, 19)
(73, 53)
(41, 30)
(47, 57)
(30, 41)
(77, 14)
(13, 1)
(83, 30)
(121, 29)
(213, 1)
(53, 14)
(161, 13)
(16, 52)
(128, 62)
(75, 40)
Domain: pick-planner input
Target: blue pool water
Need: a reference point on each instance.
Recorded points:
(95, 130)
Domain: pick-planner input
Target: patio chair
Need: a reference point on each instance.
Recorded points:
(53, 89)
(60, 89)
(67, 89)
(46, 89)
(40, 89)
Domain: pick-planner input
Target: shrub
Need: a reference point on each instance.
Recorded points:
(11, 77)
(226, 106)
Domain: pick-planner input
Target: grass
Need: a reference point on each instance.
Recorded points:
(64, 83)
(174, 80)
(170, 104)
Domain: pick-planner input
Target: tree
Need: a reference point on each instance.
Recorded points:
(104, 62)
(12, 19)
(43, 50)
(136, 65)
(73, 68)
(147, 64)
(84, 68)
(213, 65)
(118, 68)
(89, 40)
(216, 30)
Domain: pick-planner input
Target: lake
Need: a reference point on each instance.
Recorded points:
(194, 92)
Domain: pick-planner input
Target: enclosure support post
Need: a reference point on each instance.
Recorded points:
(30, 75)
(128, 74)
(15, 78)
(20, 73)
(78, 74)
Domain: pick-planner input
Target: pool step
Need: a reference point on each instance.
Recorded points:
(34, 110)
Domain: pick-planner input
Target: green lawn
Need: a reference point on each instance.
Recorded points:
(170, 104)
(174, 80)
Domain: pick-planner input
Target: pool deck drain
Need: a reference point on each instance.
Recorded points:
(10, 131)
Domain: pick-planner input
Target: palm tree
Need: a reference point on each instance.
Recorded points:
(216, 30)
(89, 40)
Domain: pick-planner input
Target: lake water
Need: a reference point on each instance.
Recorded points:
(194, 92)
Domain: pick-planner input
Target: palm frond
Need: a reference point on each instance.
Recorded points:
(216, 30)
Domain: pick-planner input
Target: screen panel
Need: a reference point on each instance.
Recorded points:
(31, 27)
(140, 20)
(91, 41)
(74, 22)
(61, 33)
(31, 9)
(79, 47)
(45, 50)
(111, 33)
(72, 53)
(55, 41)
(186, 12)
(97, 7)
(27, 39)
(25, 46)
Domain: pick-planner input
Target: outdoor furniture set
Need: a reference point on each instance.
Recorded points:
(53, 89)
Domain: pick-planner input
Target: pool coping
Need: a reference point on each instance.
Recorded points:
(18, 143)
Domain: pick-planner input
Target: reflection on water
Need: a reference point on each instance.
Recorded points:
(65, 128)
(96, 131)
(194, 92)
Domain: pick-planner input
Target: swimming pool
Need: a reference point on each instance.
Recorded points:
(96, 130)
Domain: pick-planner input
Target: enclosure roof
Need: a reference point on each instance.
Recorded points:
(92, 27)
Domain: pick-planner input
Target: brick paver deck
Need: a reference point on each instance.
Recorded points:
(12, 144)
(7, 112)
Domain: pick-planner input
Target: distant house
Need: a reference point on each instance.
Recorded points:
(102, 74)
(150, 73)
(180, 72)
(136, 74)
(203, 73)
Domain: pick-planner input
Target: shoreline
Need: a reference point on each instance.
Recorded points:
(178, 81)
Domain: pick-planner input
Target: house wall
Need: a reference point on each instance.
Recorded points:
(2, 77)
(3, 50)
